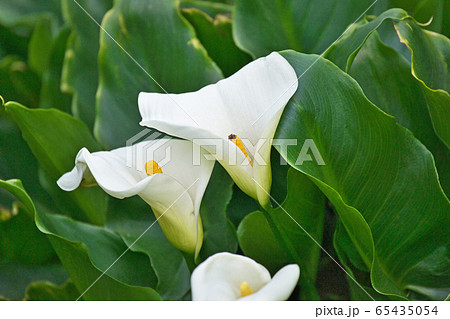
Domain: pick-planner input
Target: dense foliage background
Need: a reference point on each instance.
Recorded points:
(377, 105)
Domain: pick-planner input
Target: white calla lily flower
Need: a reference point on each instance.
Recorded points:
(226, 276)
(242, 112)
(164, 177)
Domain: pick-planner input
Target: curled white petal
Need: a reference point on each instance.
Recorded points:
(280, 287)
(220, 277)
(248, 104)
(174, 196)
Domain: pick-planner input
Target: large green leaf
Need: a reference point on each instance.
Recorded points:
(263, 26)
(219, 233)
(357, 272)
(55, 138)
(408, 100)
(343, 52)
(80, 72)
(422, 10)
(97, 260)
(299, 215)
(135, 222)
(142, 29)
(310, 26)
(215, 35)
(104, 248)
(386, 79)
(380, 179)
(431, 66)
(430, 54)
(75, 259)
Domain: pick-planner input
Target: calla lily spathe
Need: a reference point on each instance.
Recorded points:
(172, 185)
(241, 111)
(226, 276)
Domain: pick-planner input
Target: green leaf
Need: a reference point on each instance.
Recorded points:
(16, 277)
(20, 240)
(380, 179)
(258, 242)
(215, 35)
(421, 10)
(64, 202)
(47, 291)
(301, 212)
(430, 65)
(18, 82)
(80, 71)
(22, 11)
(92, 255)
(55, 138)
(23, 249)
(12, 42)
(446, 22)
(219, 233)
(230, 2)
(430, 54)
(132, 218)
(386, 79)
(40, 41)
(103, 247)
(310, 26)
(343, 52)
(15, 155)
(212, 8)
(75, 259)
(347, 252)
(263, 26)
(358, 276)
(410, 108)
(15, 187)
(142, 29)
(51, 94)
